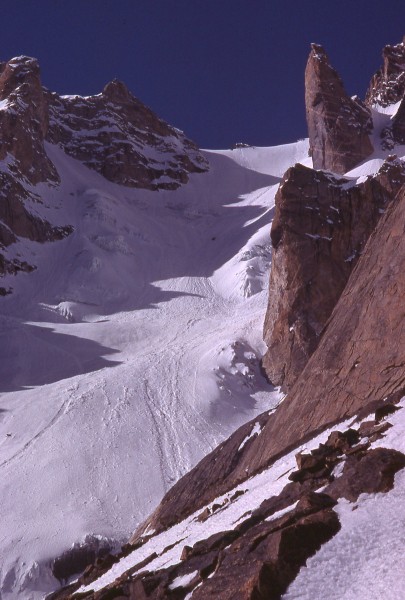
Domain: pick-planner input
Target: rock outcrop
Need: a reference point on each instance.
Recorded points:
(338, 126)
(320, 227)
(118, 136)
(388, 85)
(112, 133)
(24, 122)
(262, 554)
(23, 160)
(359, 361)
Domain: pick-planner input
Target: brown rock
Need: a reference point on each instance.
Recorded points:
(115, 134)
(320, 227)
(261, 564)
(338, 126)
(388, 84)
(384, 411)
(217, 541)
(312, 502)
(206, 513)
(370, 428)
(360, 360)
(374, 472)
(24, 121)
(309, 462)
(305, 475)
(359, 449)
(339, 440)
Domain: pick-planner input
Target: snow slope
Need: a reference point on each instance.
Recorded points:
(130, 352)
(364, 560)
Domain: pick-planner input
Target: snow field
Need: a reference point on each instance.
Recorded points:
(130, 353)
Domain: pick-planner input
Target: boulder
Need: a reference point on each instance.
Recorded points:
(371, 473)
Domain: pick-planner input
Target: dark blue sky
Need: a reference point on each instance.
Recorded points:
(222, 70)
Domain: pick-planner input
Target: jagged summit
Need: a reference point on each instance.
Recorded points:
(388, 84)
(112, 133)
(18, 68)
(116, 90)
(338, 126)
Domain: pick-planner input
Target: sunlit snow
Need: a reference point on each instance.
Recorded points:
(131, 351)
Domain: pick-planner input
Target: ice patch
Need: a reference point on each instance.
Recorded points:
(256, 430)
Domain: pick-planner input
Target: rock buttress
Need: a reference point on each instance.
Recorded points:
(338, 126)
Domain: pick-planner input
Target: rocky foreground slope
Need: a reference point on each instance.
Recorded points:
(336, 335)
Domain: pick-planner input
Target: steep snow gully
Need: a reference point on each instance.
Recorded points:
(130, 352)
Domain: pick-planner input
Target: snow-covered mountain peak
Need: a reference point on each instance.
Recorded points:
(112, 133)
(132, 346)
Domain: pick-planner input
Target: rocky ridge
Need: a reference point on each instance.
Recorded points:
(112, 133)
(23, 125)
(119, 137)
(387, 86)
(261, 554)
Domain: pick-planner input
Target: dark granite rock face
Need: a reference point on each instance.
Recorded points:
(338, 126)
(388, 85)
(320, 228)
